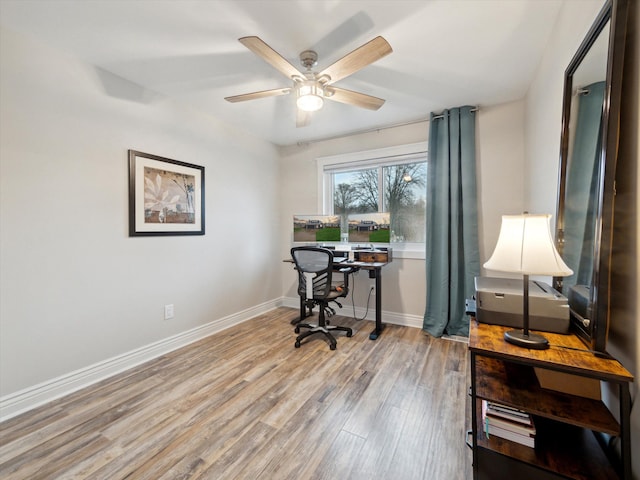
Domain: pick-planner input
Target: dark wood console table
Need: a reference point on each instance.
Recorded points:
(568, 426)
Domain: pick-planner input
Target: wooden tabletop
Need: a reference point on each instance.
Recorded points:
(566, 353)
(346, 263)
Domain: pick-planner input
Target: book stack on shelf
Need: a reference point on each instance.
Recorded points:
(508, 423)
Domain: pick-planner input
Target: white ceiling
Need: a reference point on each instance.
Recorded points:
(447, 53)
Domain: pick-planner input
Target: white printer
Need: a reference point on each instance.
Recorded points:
(499, 302)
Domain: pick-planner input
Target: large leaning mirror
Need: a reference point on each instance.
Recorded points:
(588, 151)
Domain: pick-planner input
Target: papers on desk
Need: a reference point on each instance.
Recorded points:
(339, 259)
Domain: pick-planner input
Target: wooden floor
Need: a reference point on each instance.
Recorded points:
(246, 404)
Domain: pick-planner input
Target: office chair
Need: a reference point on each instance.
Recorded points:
(315, 268)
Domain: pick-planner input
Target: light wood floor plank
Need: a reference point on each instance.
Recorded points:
(245, 404)
(374, 459)
(338, 459)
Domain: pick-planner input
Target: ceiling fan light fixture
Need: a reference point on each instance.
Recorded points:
(309, 96)
(312, 88)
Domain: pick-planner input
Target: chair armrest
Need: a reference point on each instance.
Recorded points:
(348, 270)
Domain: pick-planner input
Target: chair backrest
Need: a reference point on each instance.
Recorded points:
(314, 266)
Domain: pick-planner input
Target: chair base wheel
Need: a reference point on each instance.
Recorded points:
(321, 327)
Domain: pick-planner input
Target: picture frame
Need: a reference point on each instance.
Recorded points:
(166, 197)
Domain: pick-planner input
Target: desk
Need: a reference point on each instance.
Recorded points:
(375, 271)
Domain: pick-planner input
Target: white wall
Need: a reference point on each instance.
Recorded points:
(500, 132)
(75, 289)
(543, 120)
(500, 160)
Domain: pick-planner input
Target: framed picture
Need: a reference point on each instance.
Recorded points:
(166, 197)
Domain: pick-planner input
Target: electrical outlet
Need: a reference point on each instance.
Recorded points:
(168, 312)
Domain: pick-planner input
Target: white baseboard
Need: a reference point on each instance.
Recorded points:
(37, 395)
(42, 393)
(347, 310)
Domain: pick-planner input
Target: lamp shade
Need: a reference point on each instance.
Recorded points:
(525, 245)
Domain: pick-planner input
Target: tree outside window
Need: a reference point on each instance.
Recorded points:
(403, 195)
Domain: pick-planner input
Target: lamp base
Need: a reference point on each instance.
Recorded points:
(532, 340)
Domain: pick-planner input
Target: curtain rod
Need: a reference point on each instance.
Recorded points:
(438, 117)
(370, 130)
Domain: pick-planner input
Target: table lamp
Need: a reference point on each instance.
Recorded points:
(525, 245)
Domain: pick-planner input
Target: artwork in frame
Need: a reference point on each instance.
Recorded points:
(166, 197)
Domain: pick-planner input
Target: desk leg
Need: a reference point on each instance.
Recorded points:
(377, 273)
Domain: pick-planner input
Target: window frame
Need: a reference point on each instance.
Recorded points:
(379, 157)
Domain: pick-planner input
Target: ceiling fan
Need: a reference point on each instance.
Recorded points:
(312, 88)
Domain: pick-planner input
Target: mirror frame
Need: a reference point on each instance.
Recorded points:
(595, 332)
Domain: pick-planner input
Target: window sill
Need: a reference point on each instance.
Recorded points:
(415, 251)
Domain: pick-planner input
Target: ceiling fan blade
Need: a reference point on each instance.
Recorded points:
(359, 58)
(269, 55)
(302, 118)
(353, 98)
(262, 94)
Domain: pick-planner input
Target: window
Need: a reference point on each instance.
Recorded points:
(389, 180)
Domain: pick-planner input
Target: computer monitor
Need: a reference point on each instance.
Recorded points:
(369, 228)
(316, 228)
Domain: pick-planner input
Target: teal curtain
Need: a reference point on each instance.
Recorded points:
(452, 253)
(580, 208)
